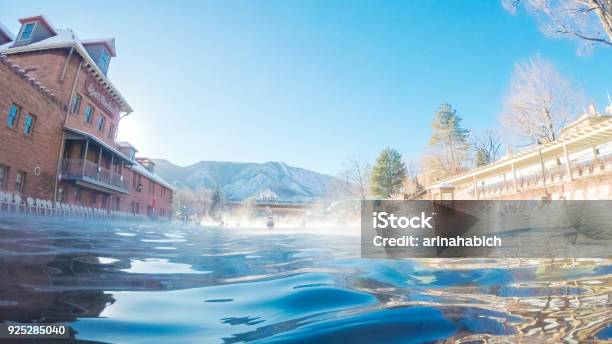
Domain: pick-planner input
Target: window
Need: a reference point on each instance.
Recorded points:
(13, 116)
(104, 60)
(27, 31)
(28, 125)
(75, 104)
(101, 123)
(3, 176)
(88, 114)
(111, 132)
(20, 181)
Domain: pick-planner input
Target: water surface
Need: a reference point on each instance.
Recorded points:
(152, 282)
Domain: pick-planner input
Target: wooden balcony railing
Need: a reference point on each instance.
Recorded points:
(81, 169)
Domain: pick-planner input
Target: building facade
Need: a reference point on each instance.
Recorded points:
(576, 166)
(59, 115)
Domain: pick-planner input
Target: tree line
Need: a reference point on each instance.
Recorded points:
(538, 103)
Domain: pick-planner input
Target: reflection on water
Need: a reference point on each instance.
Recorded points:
(160, 266)
(133, 282)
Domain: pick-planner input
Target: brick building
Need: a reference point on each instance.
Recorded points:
(59, 116)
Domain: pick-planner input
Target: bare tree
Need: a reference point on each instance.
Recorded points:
(539, 102)
(434, 168)
(589, 21)
(486, 147)
(356, 174)
(411, 183)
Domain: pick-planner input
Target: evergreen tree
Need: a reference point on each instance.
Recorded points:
(450, 140)
(482, 157)
(388, 173)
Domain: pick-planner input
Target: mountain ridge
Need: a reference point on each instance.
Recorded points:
(241, 180)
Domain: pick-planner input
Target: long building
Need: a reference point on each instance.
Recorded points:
(576, 166)
(59, 116)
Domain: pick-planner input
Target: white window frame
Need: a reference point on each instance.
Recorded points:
(24, 30)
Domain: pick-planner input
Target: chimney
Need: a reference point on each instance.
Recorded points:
(5, 35)
(147, 163)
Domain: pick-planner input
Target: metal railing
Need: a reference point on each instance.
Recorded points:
(79, 168)
(554, 175)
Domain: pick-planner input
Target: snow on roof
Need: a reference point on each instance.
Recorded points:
(442, 185)
(154, 176)
(63, 36)
(125, 144)
(5, 32)
(66, 38)
(136, 165)
(143, 160)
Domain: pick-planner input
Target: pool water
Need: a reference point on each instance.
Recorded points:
(160, 282)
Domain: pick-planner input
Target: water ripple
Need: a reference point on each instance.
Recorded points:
(114, 282)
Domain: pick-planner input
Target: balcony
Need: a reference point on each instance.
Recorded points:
(554, 176)
(89, 174)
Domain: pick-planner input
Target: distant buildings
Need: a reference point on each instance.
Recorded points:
(267, 196)
(577, 166)
(59, 115)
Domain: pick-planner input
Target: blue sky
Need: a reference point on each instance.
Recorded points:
(309, 82)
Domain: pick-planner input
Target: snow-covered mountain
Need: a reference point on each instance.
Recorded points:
(239, 181)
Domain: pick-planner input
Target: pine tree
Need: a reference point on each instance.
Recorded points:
(449, 139)
(482, 157)
(388, 173)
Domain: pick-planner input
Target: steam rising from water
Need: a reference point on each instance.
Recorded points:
(341, 218)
